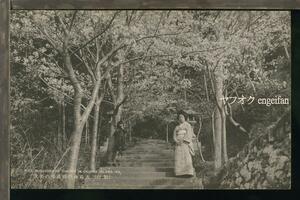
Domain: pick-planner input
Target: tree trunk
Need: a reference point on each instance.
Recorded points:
(75, 147)
(79, 119)
(94, 137)
(205, 86)
(78, 122)
(221, 156)
(185, 98)
(86, 133)
(120, 92)
(99, 131)
(213, 132)
(117, 113)
(75, 140)
(218, 125)
(167, 136)
(224, 136)
(64, 142)
(130, 131)
(59, 127)
(217, 139)
(111, 141)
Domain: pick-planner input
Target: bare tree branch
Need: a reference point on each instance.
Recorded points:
(99, 34)
(72, 21)
(86, 64)
(119, 104)
(159, 35)
(110, 87)
(49, 39)
(63, 25)
(230, 117)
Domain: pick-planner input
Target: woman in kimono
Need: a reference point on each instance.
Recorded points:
(183, 136)
(119, 145)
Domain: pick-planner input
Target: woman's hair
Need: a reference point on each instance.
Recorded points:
(181, 113)
(120, 123)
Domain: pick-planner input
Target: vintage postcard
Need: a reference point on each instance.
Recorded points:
(150, 99)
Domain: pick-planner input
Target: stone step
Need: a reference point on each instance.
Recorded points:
(139, 182)
(152, 141)
(146, 146)
(166, 146)
(141, 175)
(171, 160)
(152, 144)
(154, 149)
(145, 151)
(146, 160)
(123, 169)
(147, 156)
(148, 150)
(147, 164)
(132, 187)
(153, 153)
(151, 174)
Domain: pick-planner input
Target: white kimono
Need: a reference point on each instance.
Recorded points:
(184, 135)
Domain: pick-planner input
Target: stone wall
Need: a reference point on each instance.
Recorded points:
(264, 163)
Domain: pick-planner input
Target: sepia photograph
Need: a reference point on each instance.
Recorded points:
(150, 99)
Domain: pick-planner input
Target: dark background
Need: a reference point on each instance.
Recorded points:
(206, 194)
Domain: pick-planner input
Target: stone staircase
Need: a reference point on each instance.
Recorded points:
(147, 165)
